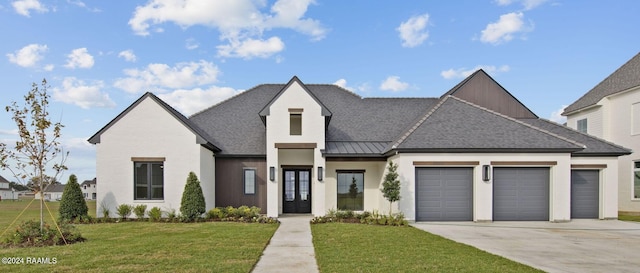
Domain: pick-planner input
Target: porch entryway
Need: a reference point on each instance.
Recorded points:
(296, 191)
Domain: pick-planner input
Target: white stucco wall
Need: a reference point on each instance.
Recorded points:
(90, 190)
(313, 131)
(560, 181)
(373, 175)
(150, 131)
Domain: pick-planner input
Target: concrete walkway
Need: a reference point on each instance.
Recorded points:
(290, 248)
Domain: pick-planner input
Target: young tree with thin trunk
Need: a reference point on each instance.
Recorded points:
(38, 148)
(391, 185)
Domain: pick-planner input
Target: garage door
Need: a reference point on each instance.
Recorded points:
(444, 194)
(585, 191)
(520, 194)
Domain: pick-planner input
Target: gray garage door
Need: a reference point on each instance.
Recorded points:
(585, 191)
(444, 194)
(520, 194)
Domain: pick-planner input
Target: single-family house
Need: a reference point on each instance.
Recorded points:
(474, 154)
(52, 192)
(6, 191)
(611, 111)
(88, 188)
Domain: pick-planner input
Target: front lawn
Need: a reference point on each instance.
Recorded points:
(144, 246)
(370, 248)
(626, 217)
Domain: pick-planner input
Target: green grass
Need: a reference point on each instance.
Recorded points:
(368, 248)
(9, 210)
(625, 217)
(145, 246)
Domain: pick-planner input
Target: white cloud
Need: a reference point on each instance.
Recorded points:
(83, 5)
(191, 101)
(49, 67)
(12, 132)
(251, 48)
(82, 94)
(160, 77)
(413, 32)
(240, 22)
(504, 29)
(191, 44)
(29, 55)
(463, 72)
(527, 4)
(127, 55)
(79, 58)
(24, 7)
(557, 115)
(393, 83)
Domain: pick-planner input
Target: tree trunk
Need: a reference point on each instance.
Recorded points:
(390, 208)
(41, 211)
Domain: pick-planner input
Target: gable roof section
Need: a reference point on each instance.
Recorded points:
(594, 146)
(624, 78)
(480, 89)
(455, 125)
(2, 179)
(89, 182)
(202, 137)
(265, 110)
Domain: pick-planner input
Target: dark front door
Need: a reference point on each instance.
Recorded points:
(297, 191)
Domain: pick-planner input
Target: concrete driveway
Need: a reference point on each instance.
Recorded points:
(577, 246)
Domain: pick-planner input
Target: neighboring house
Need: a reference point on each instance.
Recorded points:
(88, 188)
(474, 154)
(6, 192)
(611, 111)
(52, 192)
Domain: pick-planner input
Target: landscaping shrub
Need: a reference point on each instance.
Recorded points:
(155, 214)
(172, 215)
(105, 209)
(28, 234)
(240, 214)
(124, 211)
(370, 218)
(192, 205)
(139, 211)
(72, 204)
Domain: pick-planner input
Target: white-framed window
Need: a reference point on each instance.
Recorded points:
(295, 124)
(636, 179)
(582, 125)
(148, 180)
(635, 118)
(351, 190)
(249, 179)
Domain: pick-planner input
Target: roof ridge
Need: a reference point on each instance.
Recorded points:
(519, 122)
(338, 86)
(406, 133)
(232, 97)
(585, 134)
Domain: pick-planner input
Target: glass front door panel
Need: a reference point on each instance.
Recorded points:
(289, 185)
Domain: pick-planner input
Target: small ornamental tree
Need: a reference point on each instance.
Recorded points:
(72, 205)
(391, 185)
(192, 205)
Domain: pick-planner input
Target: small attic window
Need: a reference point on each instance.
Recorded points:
(295, 121)
(582, 126)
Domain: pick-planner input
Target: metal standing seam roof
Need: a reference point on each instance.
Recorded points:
(354, 148)
(624, 78)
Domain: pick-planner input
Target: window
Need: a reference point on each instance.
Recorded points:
(351, 190)
(582, 125)
(295, 124)
(85, 195)
(636, 180)
(149, 180)
(249, 181)
(635, 118)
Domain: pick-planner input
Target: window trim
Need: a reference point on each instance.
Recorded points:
(635, 169)
(244, 181)
(358, 171)
(149, 181)
(586, 126)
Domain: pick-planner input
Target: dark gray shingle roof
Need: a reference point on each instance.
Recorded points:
(595, 146)
(624, 78)
(456, 125)
(89, 182)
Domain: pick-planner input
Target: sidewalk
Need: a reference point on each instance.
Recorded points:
(291, 248)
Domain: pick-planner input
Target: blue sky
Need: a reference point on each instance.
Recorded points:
(100, 56)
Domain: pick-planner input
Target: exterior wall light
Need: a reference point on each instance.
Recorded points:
(272, 173)
(320, 173)
(486, 173)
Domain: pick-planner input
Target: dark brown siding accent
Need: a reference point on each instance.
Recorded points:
(588, 166)
(149, 159)
(355, 159)
(446, 163)
(230, 184)
(296, 145)
(524, 163)
(296, 110)
(485, 92)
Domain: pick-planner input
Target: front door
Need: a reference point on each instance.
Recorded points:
(297, 191)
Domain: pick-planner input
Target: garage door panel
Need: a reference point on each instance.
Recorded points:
(521, 194)
(444, 194)
(585, 193)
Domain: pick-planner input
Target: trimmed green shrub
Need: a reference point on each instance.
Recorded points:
(72, 205)
(370, 218)
(28, 234)
(192, 205)
(155, 214)
(139, 211)
(124, 211)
